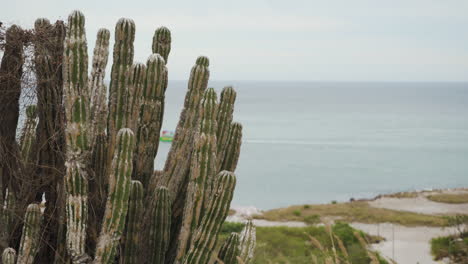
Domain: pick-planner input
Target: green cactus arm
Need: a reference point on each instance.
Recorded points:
(130, 253)
(229, 250)
(31, 235)
(98, 106)
(205, 238)
(178, 161)
(225, 114)
(202, 172)
(122, 62)
(160, 226)
(76, 186)
(133, 99)
(28, 133)
(162, 42)
(75, 61)
(150, 116)
(231, 155)
(247, 242)
(9, 256)
(118, 197)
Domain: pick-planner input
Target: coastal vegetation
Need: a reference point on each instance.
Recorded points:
(299, 244)
(358, 211)
(455, 246)
(451, 198)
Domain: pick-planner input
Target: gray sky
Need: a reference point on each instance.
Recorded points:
(335, 40)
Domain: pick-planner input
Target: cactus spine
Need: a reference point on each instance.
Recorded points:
(135, 210)
(118, 197)
(231, 156)
(225, 113)
(160, 227)
(31, 235)
(230, 250)
(28, 133)
(205, 238)
(247, 242)
(9, 256)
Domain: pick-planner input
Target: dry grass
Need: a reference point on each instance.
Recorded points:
(449, 198)
(353, 212)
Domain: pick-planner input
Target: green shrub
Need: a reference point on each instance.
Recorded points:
(306, 206)
(312, 219)
(297, 213)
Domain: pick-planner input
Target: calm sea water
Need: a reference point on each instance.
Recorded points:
(311, 142)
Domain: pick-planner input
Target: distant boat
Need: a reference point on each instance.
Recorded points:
(167, 136)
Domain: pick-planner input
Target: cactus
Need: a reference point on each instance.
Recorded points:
(225, 112)
(76, 94)
(9, 256)
(151, 114)
(98, 107)
(28, 133)
(96, 152)
(231, 156)
(118, 197)
(178, 161)
(162, 42)
(160, 226)
(136, 81)
(135, 210)
(202, 172)
(247, 242)
(123, 60)
(229, 251)
(31, 235)
(205, 238)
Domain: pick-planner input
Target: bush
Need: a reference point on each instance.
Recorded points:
(306, 206)
(312, 219)
(297, 213)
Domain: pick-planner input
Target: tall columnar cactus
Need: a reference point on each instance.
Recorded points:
(150, 116)
(76, 95)
(247, 242)
(229, 251)
(123, 60)
(118, 197)
(7, 214)
(31, 235)
(202, 172)
(130, 252)
(178, 161)
(162, 42)
(205, 238)
(9, 256)
(133, 100)
(98, 106)
(231, 155)
(160, 226)
(28, 133)
(225, 113)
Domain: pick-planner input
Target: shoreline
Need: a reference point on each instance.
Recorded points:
(406, 243)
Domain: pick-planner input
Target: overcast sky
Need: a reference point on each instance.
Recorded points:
(334, 40)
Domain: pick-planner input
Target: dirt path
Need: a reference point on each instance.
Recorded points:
(407, 244)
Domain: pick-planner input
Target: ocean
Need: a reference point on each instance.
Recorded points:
(316, 142)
